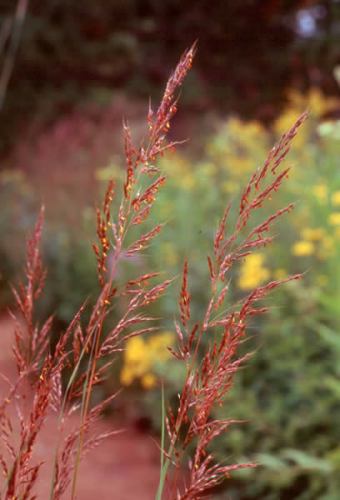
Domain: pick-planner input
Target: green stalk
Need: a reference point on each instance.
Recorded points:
(164, 466)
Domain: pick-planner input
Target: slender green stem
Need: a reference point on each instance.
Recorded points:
(163, 426)
(162, 469)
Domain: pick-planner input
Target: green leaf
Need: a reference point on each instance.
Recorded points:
(306, 461)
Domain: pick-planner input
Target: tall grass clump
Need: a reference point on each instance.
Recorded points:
(60, 377)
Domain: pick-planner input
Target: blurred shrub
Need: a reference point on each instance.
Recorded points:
(142, 355)
(16, 218)
(70, 49)
(67, 254)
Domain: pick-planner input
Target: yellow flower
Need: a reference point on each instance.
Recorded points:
(187, 181)
(141, 355)
(317, 102)
(148, 381)
(158, 346)
(136, 360)
(327, 248)
(237, 165)
(336, 198)
(334, 219)
(126, 376)
(284, 122)
(207, 169)
(320, 191)
(313, 234)
(252, 272)
(322, 280)
(280, 274)
(179, 170)
(230, 187)
(135, 350)
(303, 248)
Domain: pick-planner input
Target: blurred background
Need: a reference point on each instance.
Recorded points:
(70, 71)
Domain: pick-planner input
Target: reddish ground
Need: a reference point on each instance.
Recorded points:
(124, 467)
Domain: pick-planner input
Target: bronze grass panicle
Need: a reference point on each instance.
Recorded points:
(61, 380)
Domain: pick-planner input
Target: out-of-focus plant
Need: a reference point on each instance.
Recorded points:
(16, 217)
(141, 357)
(68, 256)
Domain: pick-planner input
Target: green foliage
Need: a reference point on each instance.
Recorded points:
(16, 218)
(287, 394)
(68, 256)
